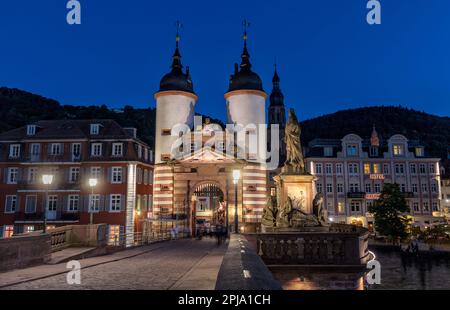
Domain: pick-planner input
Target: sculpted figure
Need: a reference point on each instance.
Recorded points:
(318, 209)
(294, 156)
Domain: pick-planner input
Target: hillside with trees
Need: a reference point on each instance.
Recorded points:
(18, 108)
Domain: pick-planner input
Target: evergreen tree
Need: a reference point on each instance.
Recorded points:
(388, 210)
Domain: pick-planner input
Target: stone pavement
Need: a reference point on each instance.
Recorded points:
(181, 264)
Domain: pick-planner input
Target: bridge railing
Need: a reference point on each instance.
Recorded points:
(138, 239)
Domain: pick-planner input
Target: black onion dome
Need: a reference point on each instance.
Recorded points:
(176, 79)
(276, 97)
(245, 78)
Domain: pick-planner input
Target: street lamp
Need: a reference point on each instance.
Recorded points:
(236, 177)
(92, 183)
(47, 180)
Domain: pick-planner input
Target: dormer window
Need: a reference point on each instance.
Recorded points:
(328, 151)
(420, 152)
(31, 130)
(398, 149)
(95, 129)
(352, 150)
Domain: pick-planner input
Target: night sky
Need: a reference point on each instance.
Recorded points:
(328, 57)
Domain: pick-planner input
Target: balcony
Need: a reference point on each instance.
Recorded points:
(356, 195)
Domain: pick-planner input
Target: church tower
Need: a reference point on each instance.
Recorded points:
(277, 114)
(175, 103)
(246, 99)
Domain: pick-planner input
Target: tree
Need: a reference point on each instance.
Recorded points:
(388, 210)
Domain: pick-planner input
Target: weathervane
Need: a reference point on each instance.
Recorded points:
(246, 25)
(178, 25)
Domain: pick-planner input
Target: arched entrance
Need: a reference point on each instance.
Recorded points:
(209, 207)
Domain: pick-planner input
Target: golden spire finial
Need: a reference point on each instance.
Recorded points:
(246, 25)
(178, 25)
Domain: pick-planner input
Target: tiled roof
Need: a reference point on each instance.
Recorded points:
(68, 129)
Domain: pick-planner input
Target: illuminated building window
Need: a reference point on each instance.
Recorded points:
(419, 152)
(341, 208)
(367, 168)
(28, 228)
(114, 234)
(376, 168)
(8, 231)
(398, 149)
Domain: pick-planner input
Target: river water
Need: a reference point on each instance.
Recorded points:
(396, 274)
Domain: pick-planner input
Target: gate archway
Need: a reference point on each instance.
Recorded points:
(209, 207)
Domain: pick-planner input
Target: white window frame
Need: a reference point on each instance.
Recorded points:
(10, 179)
(35, 147)
(32, 175)
(74, 171)
(73, 147)
(95, 129)
(117, 149)
(114, 201)
(31, 130)
(14, 150)
(73, 203)
(56, 149)
(116, 175)
(52, 203)
(96, 172)
(318, 168)
(340, 188)
(94, 147)
(11, 209)
(94, 203)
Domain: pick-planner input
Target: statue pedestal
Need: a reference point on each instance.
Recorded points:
(298, 187)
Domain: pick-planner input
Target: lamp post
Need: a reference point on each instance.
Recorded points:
(47, 180)
(92, 183)
(236, 177)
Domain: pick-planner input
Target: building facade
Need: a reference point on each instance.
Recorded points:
(194, 162)
(445, 187)
(351, 173)
(74, 152)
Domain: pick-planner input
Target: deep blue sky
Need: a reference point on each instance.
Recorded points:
(329, 58)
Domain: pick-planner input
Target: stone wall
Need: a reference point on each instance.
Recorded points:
(24, 251)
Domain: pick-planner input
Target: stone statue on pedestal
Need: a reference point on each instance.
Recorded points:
(295, 162)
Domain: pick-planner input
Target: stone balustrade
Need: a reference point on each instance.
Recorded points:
(341, 245)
